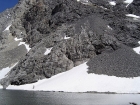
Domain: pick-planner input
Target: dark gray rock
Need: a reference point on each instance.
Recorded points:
(134, 8)
(10, 52)
(5, 19)
(123, 62)
(11, 56)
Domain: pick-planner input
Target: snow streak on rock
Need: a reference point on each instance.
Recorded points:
(48, 50)
(7, 28)
(66, 37)
(137, 49)
(86, 2)
(16, 39)
(23, 43)
(132, 15)
(128, 2)
(113, 3)
(26, 45)
(109, 27)
(4, 71)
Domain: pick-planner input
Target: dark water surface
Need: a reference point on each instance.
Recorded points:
(12, 97)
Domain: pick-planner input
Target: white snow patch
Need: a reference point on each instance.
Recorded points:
(4, 71)
(109, 27)
(66, 37)
(22, 43)
(112, 3)
(7, 28)
(48, 50)
(18, 39)
(139, 42)
(103, 8)
(26, 45)
(137, 49)
(86, 2)
(128, 2)
(78, 80)
(132, 15)
(26, 86)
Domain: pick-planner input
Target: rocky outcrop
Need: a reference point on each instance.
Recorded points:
(123, 62)
(10, 52)
(75, 31)
(134, 8)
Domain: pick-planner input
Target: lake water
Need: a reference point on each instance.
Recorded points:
(12, 97)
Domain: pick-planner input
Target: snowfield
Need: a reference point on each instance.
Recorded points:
(78, 80)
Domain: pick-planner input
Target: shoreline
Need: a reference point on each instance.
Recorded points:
(93, 92)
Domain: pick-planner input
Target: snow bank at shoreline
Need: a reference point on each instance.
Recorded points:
(78, 80)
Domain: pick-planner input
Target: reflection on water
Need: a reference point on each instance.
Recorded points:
(9, 97)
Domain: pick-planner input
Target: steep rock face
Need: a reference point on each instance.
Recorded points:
(134, 8)
(75, 31)
(121, 63)
(10, 52)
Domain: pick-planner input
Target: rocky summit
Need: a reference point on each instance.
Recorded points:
(47, 37)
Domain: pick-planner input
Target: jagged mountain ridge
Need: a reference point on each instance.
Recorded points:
(94, 29)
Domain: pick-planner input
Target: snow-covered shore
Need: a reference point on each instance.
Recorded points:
(78, 80)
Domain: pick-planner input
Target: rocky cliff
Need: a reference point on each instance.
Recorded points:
(72, 31)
